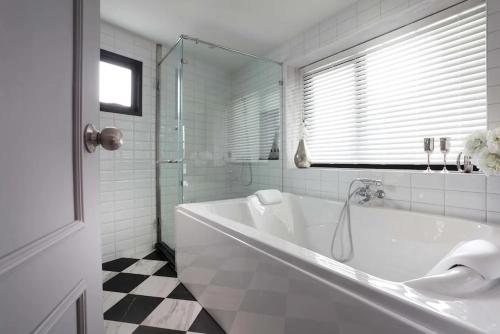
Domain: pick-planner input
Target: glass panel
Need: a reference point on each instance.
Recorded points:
(169, 154)
(232, 117)
(220, 116)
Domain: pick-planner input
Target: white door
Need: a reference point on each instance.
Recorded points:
(50, 279)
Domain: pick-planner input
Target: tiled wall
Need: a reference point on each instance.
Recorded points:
(127, 175)
(472, 196)
(469, 196)
(493, 61)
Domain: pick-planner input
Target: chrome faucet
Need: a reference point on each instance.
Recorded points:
(366, 191)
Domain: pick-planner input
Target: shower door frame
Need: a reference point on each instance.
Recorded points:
(160, 245)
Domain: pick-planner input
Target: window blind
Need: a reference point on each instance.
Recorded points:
(376, 106)
(253, 124)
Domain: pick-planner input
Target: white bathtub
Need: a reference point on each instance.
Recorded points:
(267, 269)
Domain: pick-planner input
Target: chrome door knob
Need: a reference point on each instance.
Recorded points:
(110, 138)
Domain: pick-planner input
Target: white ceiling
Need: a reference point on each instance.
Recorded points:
(255, 26)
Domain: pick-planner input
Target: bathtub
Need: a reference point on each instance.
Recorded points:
(268, 269)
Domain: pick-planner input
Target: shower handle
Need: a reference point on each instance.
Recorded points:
(110, 138)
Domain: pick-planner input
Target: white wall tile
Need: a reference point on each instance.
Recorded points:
(493, 94)
(402, 179)
(493, 184)
(465, 182)
(427, 196)
(493, 202)
(493, 19)
(329, 175)
(465, 199)
(346, 175)
(428, 180)
(493, 7)
(493, 41)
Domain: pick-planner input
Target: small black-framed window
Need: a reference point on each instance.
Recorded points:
(120, 84)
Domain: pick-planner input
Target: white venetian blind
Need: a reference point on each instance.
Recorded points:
(377, 106)
(253, 124)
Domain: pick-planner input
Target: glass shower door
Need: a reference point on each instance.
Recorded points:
(219, 128)
(169, 145)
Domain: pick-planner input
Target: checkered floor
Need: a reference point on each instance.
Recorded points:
(144, 296)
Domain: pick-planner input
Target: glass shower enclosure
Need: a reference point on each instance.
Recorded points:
(218, 128)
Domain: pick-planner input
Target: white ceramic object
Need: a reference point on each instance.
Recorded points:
(272, 270)
(269, 196)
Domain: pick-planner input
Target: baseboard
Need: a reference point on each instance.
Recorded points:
(167, 252)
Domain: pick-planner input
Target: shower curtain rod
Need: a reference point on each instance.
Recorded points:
(197, 40)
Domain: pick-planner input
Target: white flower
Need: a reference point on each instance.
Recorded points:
(493, 141)
(490, 164)
(475, 144)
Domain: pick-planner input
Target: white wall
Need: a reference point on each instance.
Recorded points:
(470, 196)
(127, 175)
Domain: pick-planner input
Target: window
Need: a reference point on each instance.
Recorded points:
(375, 105)
(120, 84)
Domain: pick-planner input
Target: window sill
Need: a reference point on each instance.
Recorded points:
(435, 168)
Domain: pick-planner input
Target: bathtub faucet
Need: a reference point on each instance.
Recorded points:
(342, 232)
(366, 191)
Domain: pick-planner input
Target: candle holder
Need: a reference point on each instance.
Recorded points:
(428, 148)
(444, 146)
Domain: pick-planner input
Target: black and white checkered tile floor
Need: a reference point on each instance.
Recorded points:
(144, 296)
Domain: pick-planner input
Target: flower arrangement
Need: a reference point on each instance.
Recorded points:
(484, 148)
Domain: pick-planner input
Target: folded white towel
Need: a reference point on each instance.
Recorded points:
(269, 196)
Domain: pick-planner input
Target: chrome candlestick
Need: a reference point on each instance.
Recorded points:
(428, 148)
(444, 146)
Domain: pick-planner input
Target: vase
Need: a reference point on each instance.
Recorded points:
(301, 158)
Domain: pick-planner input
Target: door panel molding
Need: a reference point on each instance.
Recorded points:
(75, 295)
(77, 109)
(33, 248)
(81, 314)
